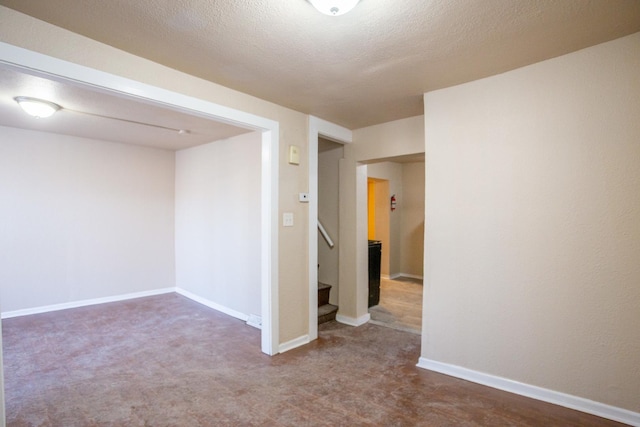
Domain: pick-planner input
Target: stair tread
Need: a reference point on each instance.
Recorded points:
(327, 313)
(326, 309)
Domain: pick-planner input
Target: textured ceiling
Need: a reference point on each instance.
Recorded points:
(369, 66)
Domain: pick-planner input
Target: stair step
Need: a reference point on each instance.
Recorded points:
(327, 313)
(322, 286)
(323, 294)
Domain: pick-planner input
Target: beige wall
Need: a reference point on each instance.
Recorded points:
(388, 223)
(402, 237)
(23, 31)
(82, 219)
(412, 219)
(396, 138)
(382, 221)
(353, 274)
(533, 210)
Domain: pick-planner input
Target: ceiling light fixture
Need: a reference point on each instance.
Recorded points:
(40, 109)
(37, 107)
(334, 7)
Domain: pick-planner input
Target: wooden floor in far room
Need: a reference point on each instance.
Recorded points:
(400, 305)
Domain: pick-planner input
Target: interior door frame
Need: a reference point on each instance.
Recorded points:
(318, 128)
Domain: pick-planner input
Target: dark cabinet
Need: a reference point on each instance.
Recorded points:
(375, 258)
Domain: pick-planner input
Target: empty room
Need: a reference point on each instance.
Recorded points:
(163, 232)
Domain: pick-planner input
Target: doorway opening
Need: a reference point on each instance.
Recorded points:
(395, 211)
(101, 82)
(379, 218)
(329, 155)
(333, 133)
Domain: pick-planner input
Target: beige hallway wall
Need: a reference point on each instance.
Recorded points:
(397, 138)
(533, 240)
(403, 246)
(382, 223)
(412, 220)
(387, 222)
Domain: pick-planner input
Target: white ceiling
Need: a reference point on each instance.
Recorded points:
(369, 66)
(82, 104)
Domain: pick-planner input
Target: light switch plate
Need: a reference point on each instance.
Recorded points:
(287, 219)
(294, 155)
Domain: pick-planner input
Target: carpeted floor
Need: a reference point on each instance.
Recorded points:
(168, 361)
(400, 305)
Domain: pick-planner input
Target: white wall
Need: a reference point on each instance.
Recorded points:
(533, 224)
(2, 417)
(218, 222)
(82, 219)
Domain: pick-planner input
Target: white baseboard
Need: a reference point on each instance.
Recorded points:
(84, 303)
(124, 297)
(351, 321)
(410, 276)
(397, 275)
(296, 342)
(534, 392)
(214, 305)
(255, 321)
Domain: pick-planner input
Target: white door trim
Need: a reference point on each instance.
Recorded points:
(318, 127)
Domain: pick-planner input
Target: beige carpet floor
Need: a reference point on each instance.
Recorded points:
(400, 305)
(168, 361)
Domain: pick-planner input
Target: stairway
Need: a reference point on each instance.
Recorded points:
(326, 311)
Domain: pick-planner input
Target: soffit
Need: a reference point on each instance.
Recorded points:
(369, 66)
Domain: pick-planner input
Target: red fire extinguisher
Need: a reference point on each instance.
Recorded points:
(393, 203)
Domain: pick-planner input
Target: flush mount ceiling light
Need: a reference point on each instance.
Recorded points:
(40, 108)
(334, 7)
(37, 107)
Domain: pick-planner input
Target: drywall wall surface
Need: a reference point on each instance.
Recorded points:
(218, 229)
(532, 249)
(391, 245)
(382, 222)
(347, 276)
(82, 219)
(412, 219)
(29, 33)
(2, 418)
(328, 214)
(353, 266)
(391, 139)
